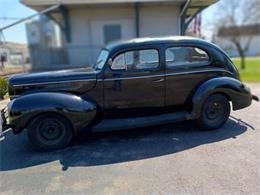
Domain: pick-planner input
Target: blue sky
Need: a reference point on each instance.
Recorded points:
(13, 8)
(207, 17)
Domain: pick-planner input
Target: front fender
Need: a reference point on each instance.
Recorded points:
(233, 89)
(78, 111)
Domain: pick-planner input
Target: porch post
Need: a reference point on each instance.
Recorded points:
(66, 27)
(137, 20)
(183, 15)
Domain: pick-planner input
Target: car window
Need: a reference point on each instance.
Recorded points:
(178, 56)
(101, 60)
(119, 63)
(137, 60)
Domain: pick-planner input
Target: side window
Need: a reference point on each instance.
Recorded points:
(119, 63)
(137, 60)
(178, 56)
(142, 59)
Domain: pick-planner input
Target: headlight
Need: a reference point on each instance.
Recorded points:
(9, 107)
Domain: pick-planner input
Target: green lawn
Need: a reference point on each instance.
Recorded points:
(252, 71)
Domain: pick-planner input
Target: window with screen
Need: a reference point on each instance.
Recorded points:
(179, 56)
(112, 33)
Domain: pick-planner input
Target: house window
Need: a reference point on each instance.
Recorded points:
(112, 33)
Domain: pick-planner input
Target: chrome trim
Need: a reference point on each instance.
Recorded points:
(169, 74)
(54, 82)
(199, 71)
(123, 78)
(2, 130)
(2, 133)
(160, 80)
(10, 105)
(136, 77)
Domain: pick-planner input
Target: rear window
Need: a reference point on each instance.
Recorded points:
(178, 56)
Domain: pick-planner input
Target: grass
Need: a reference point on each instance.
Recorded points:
(252, 70)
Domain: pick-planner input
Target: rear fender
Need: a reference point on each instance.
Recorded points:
(233, 89)
(78, 111)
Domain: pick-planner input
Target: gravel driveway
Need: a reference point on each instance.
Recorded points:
(170, 159)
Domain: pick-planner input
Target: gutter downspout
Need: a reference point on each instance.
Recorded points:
(137, 20)
(182, 17)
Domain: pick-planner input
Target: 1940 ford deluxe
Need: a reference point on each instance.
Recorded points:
(134, 83)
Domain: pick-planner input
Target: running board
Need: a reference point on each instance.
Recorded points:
(130, 123)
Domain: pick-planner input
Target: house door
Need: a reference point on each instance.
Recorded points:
(106, 31)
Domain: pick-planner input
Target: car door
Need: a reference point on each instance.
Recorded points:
(186, 68)
(134, 83)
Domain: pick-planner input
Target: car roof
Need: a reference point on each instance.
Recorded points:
(155, 40)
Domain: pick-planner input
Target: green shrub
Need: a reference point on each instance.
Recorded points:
(3, 87)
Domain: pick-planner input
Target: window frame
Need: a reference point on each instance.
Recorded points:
(105, 27)
(191, 65)
(138, 49)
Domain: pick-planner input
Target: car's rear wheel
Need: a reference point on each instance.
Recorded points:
(214, 113)
(50, 132)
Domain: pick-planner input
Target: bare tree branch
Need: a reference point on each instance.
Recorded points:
(234, 13)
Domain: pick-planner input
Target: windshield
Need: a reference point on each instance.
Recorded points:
(101, 60)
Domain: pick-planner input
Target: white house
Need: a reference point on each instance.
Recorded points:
(248, 36)
(14, 53)
(90, 24)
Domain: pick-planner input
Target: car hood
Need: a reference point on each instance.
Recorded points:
(52, 77)
(77, 81)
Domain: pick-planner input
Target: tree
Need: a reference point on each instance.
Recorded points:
(230, 17)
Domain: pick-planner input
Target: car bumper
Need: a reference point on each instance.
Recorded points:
(243, 97)
(254, 97)
(4, 127)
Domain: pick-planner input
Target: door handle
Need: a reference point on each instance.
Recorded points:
(159, 80)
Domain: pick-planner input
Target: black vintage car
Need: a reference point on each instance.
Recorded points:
(134, 83)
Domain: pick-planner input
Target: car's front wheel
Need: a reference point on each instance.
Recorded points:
(50, 132)
(214, 113)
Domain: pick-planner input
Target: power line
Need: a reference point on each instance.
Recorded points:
(10, 18)
(30, 17)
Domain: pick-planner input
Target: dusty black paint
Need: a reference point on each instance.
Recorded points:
(87, 97)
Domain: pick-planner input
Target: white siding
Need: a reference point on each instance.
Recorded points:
(159, 20)
(227, 45)
(254, 48)
(83, 48)
(86, 29)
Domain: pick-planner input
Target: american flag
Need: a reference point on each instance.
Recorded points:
(197, 25)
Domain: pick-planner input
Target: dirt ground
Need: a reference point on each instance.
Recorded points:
(169, 159)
